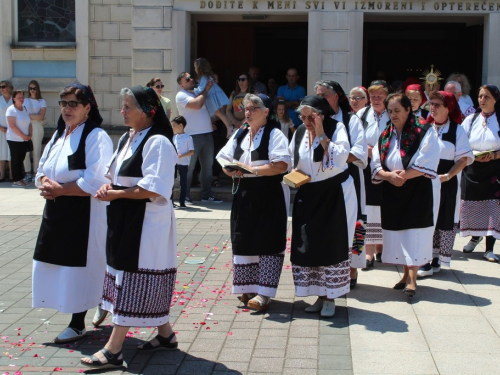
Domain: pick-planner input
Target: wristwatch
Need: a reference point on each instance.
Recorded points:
(322, 137)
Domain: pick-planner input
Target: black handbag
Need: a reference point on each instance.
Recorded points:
(30, 146)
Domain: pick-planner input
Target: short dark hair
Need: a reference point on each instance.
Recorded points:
(438, 96)
(400, 98)
(78, 93)
(153, 81)
(180, 76)
(180, 120)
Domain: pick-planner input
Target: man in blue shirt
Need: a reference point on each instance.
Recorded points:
(292, 94)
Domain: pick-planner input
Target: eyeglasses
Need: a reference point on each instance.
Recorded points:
(71, 103)
(3, 86)
(356, 98)
(32, 88)
(251, 109)
(436, 105)
(160, 86)
(308, 118)
(242, 79)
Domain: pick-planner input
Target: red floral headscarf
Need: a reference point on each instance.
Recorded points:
(416, 87)
(451, 103)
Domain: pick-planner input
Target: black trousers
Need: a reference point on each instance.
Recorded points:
(17, 154)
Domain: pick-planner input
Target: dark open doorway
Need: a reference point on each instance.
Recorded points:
(401, 50)
(233, 47)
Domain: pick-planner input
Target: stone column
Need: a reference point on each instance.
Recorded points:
(491, 51)
(335, 48)
(6, 39)
(152, 37)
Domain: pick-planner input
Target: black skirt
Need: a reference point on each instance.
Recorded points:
(64, 232)
(259, 217)
(373, 191)
(448, 202)
(479, 181)
(320, 232)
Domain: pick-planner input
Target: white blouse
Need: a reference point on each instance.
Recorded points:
(54, 164)
(37, 104)
(159, 159)
(278, 149)
(482, 138)
(334, 160)
(425, 160)
(453, 152)
(376, 125)
(359, 147)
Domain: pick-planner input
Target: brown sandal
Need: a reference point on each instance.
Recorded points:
(245, 297)
(259, 303)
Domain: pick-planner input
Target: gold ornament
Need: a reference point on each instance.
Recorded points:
(431, 77)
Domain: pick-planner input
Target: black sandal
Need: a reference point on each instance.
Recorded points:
(114, 360)
(165, 344)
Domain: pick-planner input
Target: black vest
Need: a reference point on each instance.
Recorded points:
(132, 167)
(261, 152)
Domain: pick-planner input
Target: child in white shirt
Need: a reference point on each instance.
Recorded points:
(185, 148)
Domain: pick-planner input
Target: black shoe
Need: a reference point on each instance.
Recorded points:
(369, 265)
(189, 201)
(174, 205)
(378, 257)
(399, 286)
(425, 270)
(354, 281)
(409, 292)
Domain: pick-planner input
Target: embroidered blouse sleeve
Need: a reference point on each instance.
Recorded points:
(159, 159)
(40, 173)
(462, 148)
(359, 147)
(278, 148)
(201, 85)
(466, 125)
(426, 159)
(98, 151)
(375, 165)
(338, 149)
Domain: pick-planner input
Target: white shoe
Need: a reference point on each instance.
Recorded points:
(69, 335)
(316, 306)
(99, 316)
(328, 309)
(425, 270)
(471, 245)
(490, 257)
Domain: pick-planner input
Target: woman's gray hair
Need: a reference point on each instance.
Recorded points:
(255, 100)
(302, 106)
(358, 89)
(127, 92)
(9, 85)
(324, 84)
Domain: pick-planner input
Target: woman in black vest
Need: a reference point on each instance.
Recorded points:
(260, 205)
(479, 205)
(405, 161)
(324, 210)
(69, 260)
(141, 242)
(455, 154)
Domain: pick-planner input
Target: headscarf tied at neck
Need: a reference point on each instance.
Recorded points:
(93, 115)
(151, 106)
(343, 101)
(417, 87)
(318, 103)
(454, 114)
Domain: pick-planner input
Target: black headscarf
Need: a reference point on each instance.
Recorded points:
(93, 115)
(320, 103)
(343, 101)
(151, 106)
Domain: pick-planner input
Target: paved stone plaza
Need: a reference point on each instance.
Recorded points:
(450, 327)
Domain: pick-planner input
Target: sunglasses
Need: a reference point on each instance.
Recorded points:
(3, 86)
(160, 86)
(309, 118)
(188, 79)
(71, 103)
(32, 88)
(242, 79)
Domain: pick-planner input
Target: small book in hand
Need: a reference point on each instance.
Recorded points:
(237, 167)
(296, 179)
(478, 154)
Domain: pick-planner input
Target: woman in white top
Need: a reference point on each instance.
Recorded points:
(479, 208)
(6, 89)
(455, 154)
(18, 134)
(405, 162)
(260, 204)
(358, 98)
(374, 119)
(36, 107)
(324, 210)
